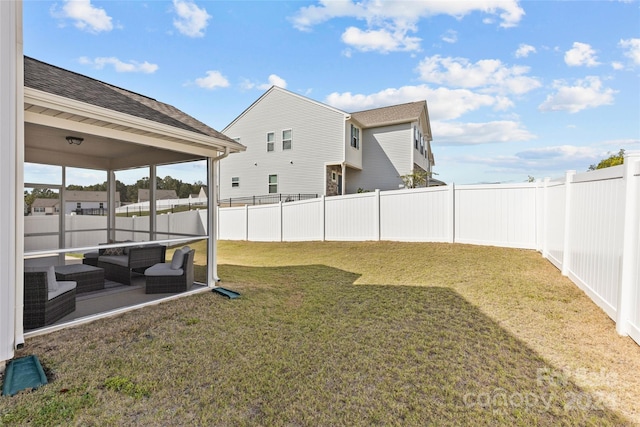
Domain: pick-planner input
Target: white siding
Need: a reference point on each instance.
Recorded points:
(318, 138)
(353, 156)
(386, 154)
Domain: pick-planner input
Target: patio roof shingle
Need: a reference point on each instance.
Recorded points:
(51, 79)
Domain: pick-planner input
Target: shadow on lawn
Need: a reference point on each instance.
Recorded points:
(426, 352)
(302, 346)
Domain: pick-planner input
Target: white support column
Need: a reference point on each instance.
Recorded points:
(62, 217)
(212, 222)
(153, 209)
(630, 249)
(566, 252)
(111, 205)
(11, 179)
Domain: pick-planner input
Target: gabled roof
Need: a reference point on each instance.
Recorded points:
(87, 196)
(45, 202)
(279, 89)
(51, 79)
(390, 115)
(143, 194)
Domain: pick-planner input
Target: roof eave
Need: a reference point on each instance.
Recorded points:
(69, 106)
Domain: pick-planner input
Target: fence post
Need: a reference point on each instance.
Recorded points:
(281, 220)
(324, 215)
(246, 223)
(566, 249)
(630, 243)
(377, 215)
(452, 213)
(545, 218)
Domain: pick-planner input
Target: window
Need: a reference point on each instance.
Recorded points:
(101, 205)
(355, 137)
(271, 141)
(78, 205)
(38, 209)
(273, 184)
(415, 136)
(235, 181)
(334, 176)
(286, 139)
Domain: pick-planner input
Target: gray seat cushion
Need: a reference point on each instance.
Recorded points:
(163, 269)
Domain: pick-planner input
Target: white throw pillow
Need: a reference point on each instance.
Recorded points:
(178, 258)
(52, 284)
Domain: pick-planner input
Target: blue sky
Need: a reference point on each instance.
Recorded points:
(514, 88)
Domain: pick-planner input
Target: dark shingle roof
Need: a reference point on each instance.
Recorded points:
(392, 114)
(58, 81)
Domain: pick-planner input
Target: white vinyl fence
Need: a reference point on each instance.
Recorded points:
(586, 224)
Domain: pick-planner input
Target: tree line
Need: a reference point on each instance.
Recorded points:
(128, 193)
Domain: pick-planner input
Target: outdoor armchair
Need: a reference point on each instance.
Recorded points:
(174, 276)
(46, 300)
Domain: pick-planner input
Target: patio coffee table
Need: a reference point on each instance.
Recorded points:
(87, 277)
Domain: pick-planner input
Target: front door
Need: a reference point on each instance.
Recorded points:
(339, 184)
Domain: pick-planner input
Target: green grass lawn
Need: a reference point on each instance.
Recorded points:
(347, 334)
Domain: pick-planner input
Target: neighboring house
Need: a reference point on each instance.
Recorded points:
(45, 207)
(78, 202)
(143, 195)
(296, 145)
(87, 202)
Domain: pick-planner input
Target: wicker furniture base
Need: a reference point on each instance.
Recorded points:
(138, 260)
(39, 311)
(87, 277)
(91, 258)
(172, 284)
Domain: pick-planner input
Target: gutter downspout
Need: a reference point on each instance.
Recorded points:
(212, 219)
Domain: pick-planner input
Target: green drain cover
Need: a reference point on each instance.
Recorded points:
(21, 374)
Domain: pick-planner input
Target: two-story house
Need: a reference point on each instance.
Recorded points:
(297, 145)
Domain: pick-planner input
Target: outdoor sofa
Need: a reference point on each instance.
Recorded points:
(46, 300)
(120, 264)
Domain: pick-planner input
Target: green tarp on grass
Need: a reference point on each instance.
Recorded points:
(21, 374)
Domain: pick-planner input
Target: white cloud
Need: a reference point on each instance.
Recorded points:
(444, 104)
(382, 40)
(274, 80)
(503, 131)
(191, 20)
(632, 47)
(87, 17)
(490, 74)
(213, 80)
(450, 36)
(617, 65)
(581, 54)
(120, 66)
(524, 50)
(585, 93)
(389, 22)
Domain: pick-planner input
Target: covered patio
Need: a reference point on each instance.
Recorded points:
(73, 121)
